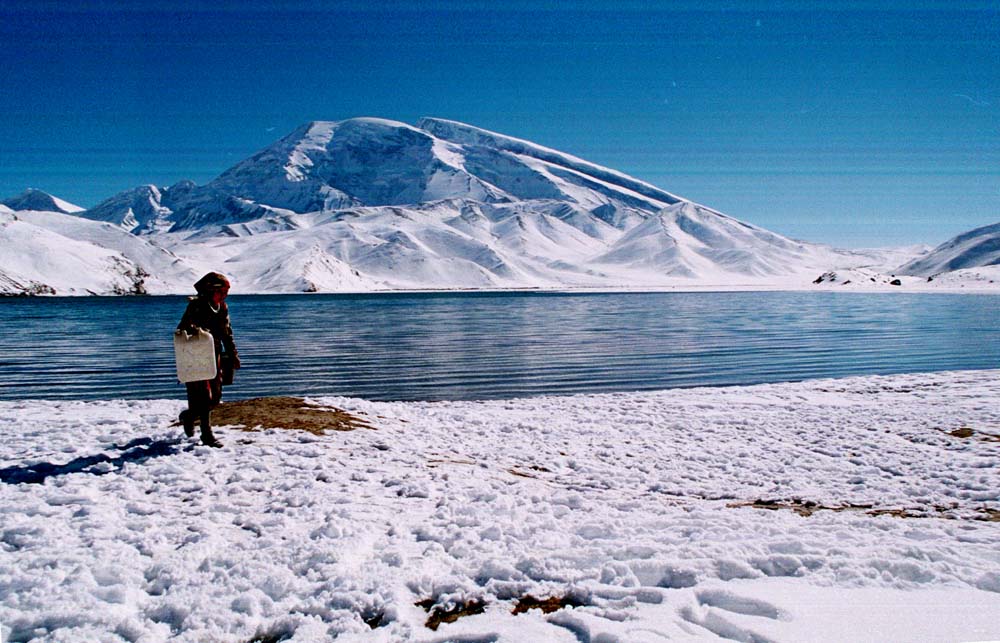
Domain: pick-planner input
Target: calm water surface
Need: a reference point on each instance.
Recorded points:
(494, 345)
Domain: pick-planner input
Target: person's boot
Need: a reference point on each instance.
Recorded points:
(207, 437)
(187, 420)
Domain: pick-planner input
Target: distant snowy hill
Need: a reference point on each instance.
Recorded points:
(32, 199)
(38, 261)
(974, 249)
(371, 204)
(56, 253)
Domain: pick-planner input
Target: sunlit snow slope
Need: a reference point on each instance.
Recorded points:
(973, 249)
(369, 204)
(32, 199)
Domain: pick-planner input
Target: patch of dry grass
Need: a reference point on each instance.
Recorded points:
(438, 615)
(285, 413)
(965, 432)
(807, 508)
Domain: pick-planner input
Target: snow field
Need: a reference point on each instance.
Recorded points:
(627, 506)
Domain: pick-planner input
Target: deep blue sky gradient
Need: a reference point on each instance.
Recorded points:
(850, 123)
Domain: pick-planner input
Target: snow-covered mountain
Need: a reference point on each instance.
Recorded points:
(329, 166)
(137, 210)
(32, 199)
(973, 249)
(367, 204)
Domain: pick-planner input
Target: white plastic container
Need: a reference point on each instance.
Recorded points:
(195, 355)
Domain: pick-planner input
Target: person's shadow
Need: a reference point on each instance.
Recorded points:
(138, 451)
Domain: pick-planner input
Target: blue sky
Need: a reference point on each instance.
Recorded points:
(850, 123)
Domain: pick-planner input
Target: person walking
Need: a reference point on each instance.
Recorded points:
(208, 311)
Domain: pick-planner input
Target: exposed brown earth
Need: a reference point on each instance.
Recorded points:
(807, 508)
(293, 413)
(547, 605)
(439, 615)
(966, 432)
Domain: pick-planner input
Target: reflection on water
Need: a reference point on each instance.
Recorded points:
(494, 345)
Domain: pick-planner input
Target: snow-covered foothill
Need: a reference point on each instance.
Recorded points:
(160, 271)
(859, 509)
(982, 278)
(973, 249)
(887, 259)
(690, 240)
(40, 261)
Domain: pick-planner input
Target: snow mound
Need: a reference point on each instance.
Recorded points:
(982, 278)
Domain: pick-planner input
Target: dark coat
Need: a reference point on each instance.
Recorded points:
(199, 314)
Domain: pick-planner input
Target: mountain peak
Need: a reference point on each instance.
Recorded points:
(32, 199)
(140, 209)
(326, 166)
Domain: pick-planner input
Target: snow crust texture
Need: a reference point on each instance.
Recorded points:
(371, 204)
(856, 509)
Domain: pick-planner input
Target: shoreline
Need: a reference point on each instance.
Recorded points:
(562, 290)
(234, 395)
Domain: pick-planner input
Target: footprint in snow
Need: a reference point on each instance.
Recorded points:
(714, 605)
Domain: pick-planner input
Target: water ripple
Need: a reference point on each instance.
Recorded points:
(496, 345)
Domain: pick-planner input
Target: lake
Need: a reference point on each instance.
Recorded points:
(458, 346)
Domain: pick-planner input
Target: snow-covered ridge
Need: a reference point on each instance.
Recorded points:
(974, 249)
(55, 253)
(39, 261)
(474, 136)
(140, 209)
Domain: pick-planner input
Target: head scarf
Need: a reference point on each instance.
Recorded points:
(210, 282)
